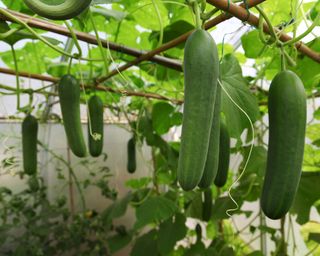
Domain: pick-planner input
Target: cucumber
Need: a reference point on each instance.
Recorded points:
(95, 110)
(59, 9)
(132, 162)
(211, 167)
(287, 126)
(224, 156)
(201, 72)
(207, 205)
(69, 95)
(29, 144)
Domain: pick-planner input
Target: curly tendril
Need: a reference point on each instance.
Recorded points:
(68, 9)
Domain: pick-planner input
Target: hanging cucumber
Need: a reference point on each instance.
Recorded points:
(211, 167)
(95, 126)
(201, 72)
(224, 156)
(287, 125)
(132, 162)
(29, 144)
(207, 205)
(58, 9)
(69, 94)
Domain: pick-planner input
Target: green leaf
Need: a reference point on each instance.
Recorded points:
(307, 69)
(316, 114)
(146, 244)
(170, 232)
(251, 182)
(107, 13)
(252, 45)
(116, 210)
(314, 237)
(237, 87)
(138, 183)
(222, 204)
(117, 242)
(154, 209)
(308, 193)
(161, 117)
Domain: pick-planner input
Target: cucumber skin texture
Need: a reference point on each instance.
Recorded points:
(96, 109)
(212, 162)
(29, 144)
(64, 11)
(224, 156)
(201, 72)
(132, 162)
(207, 205)
(287, 125)
(69, 94)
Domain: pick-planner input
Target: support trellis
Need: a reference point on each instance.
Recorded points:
(231, 10)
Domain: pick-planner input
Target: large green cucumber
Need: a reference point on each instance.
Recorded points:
(95, 126)
(29, 144)
(224, 156)
(58, 9)
(201, 72)
(132, 162)
(211, 167)
(69, 94)
(287, 125)
(207, 205)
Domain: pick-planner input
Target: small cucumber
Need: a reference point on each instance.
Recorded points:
(224, 156)
(207, 205)
(95, 111)
(201, 72)
(69, 95)
(287, 126)
(29, 144)
(132, 162)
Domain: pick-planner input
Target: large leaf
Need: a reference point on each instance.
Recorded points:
(308, 193)
(170, 232)
(146, 244)
(237, 87)
(251, 181)
(116, 210)
(154, 209)
(307, 69)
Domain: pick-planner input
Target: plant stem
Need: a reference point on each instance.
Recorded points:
(103, 54)
(266, 18)
(70, 183)
(16, 68)
(283, 236)
(196, 10)
(304, 34)
(75, 39)
(160, 22)
(70, 171)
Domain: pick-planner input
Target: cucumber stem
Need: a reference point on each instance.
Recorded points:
(196, 10)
